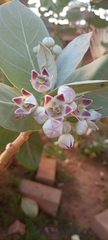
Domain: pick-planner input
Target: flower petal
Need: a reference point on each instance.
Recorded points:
(25, 92)
(34, 75)
(68, 109)
(92, 125)
(22, 111)
(45, 72)
(60, 97)
(31, 100)
(94, 115)
(43, 88)
(18, 100)
(48, 98)
(86, 102)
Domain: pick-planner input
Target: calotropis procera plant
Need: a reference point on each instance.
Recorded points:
(41, 93)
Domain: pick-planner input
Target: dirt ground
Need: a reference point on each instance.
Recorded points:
(84, 197)
(84, 182)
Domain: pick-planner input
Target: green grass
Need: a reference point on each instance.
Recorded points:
(10, 210)
(63, 177)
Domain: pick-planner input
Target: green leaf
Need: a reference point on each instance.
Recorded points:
(7, 109)
(20, 30)
(6, 81)
(30, 152)
(74, 15)
(6, 136)
(84, 86)
(70, 57)
(97, 22)
(98, 69)
(99, 4)
(45, 58)
(100, 99)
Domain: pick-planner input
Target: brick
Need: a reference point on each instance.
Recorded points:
(46, 171)
(48, 198)
(17, 227)
(100, 225)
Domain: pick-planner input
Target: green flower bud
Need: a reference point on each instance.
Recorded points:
(36, 49)
(48, 42)
(56, 50)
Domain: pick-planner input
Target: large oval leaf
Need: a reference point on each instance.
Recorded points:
(30, 152)
(20, 30)
(98, 69)
(45, 58)
(70, 57)
(84, 86)
(7, 109)
(100, 99)
(6, 136)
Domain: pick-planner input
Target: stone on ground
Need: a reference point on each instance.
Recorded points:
(100, 225)
(48, 198)
(46, 171)
(29, 207)
(17, 227)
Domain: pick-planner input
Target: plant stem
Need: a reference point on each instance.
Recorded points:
(12, 148)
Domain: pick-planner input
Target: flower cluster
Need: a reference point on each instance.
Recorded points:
(55, 112)
(49, 43)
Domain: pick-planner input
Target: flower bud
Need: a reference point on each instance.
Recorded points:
(39, 115)
(52, 128)
(81, 127)
(66, 141)
(36, 49)
(56, 50)
(48, 42)
(69, 93)
(66, 127)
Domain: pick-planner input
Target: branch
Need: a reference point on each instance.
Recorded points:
(12, 148)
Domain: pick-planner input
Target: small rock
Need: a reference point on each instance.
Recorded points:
(60, 185)
(97, 184)
(30, 207)
(75, 237)
(102, 175)
(46, 230)
(17, 227)
(53, 229)
(105, 163)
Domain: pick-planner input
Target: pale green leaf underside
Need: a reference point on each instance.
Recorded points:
(98, 69)
(45, 58)
(20, 31)
(6, 136)
(30, 152)
(100, 99)
(71, 56)
(7, 109)
(84, 86)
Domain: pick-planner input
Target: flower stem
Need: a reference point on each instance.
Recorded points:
(12, 148)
